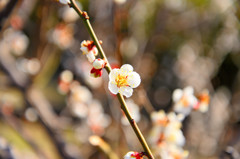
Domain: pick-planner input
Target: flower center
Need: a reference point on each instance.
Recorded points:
(184, 101)
(121, 81)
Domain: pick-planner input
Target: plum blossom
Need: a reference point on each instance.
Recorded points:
(132, 155)
(64, 1)
(203, 101)
(89, 49)
(123, 80)
(184, 100)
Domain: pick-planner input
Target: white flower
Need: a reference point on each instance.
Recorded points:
(184, 100)
(98, 63)
(64, 1)
(123, 80)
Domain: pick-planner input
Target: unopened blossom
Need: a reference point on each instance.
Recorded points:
(96, 72)
(89, 49)
(133, 155)
(98, 63)
(64, 1)
(123, 80)
(184, 100)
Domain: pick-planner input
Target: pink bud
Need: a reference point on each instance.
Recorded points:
(96, 72)
(98, 63)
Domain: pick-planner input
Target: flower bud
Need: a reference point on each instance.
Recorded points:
(132, 155)
(98, 63)
(96, 72)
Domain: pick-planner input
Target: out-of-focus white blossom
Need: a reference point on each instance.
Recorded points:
(66, 76)
(64, 1)
(203, 101)
(62, 36)
(80, 93)
(31, 114)
(30, 66)
(184, 100)
(120, 1)
(167, 129)
(173, 152)
(68, 14)
(134, 111)
(17, 41)
(133, 155)
(97, 119)
(98, 63)
(123, 80)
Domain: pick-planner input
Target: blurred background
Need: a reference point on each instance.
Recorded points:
(50, 107)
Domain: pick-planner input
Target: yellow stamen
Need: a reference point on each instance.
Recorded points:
(121, 81)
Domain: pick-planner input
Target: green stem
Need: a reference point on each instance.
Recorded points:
(124, 107)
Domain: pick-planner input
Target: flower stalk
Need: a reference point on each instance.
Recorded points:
(84, 16)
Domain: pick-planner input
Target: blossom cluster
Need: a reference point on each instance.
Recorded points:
(185, 101)
(90, 50)
(166, 135)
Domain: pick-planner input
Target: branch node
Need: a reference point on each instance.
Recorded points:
(85, 15)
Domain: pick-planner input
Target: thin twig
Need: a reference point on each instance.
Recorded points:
(124, 107)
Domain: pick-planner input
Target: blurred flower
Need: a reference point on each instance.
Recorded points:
(64, 1)
(97, 119)
(184, 100)
(30, 66)
(31, 114)
(66, 78)
(160, 118)
(167, 129)
(96, 72)
(62, 36)
(134, 111)
(132, 155)
(123, 80)
(203, 101)
(89, 49)
(120, 1)
(98, 63)
(68, 14)
(17, 41)
(173, 152)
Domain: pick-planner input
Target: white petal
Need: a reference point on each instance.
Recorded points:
(90, 57)
(126, 68)
(188, 90)
(113, 87)
(177, 95)
(113, 74)
(126, 91)
(134, 79)
(84, 50)
(64, 1)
